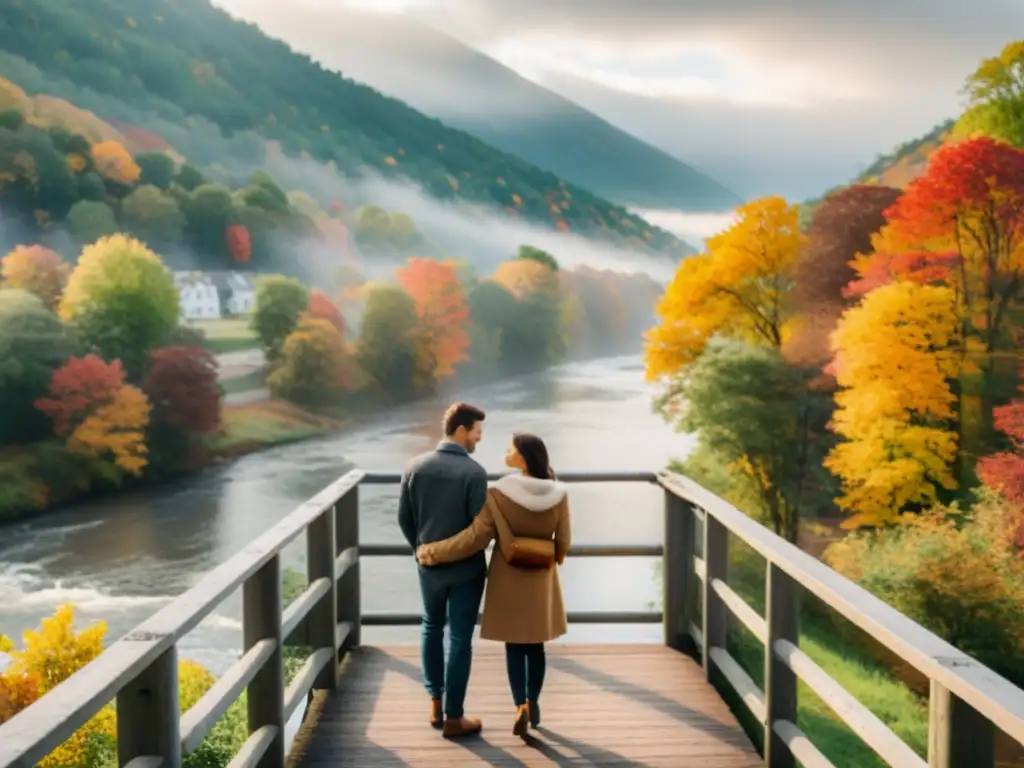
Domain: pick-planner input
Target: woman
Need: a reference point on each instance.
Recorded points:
(528, 514)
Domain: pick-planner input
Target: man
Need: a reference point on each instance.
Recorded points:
(442, 491)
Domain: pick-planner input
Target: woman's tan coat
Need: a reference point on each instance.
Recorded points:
(521, 606)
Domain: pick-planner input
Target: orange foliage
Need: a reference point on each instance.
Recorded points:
(37, 270)
(441, 305)
(322, 308)
(79, 386)
(236, 237)
(524, 276)
(115, 163)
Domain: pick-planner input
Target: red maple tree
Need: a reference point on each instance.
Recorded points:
(322, 308)
(239, 245)
(77, 388)
(182, 385)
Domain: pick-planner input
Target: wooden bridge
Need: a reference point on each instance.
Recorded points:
(631, 705)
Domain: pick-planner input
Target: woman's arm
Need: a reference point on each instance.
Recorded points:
(563, 533)
(466, 542)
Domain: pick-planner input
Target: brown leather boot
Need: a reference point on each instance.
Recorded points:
(454, 727)
(436, 715)
(522, 721)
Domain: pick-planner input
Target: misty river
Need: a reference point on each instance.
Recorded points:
(122, 557)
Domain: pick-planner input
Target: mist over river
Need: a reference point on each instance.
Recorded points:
(122, 557)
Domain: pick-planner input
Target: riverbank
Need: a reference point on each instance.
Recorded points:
(44, 477)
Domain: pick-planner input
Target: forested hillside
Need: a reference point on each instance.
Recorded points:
(190, 74)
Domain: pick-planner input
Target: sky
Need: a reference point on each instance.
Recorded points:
(768, 96)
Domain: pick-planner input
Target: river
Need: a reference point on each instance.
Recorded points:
(121, 557)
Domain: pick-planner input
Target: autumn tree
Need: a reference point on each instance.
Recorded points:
(524, 277)
(181, 384)
(895, 354)
(995, 91)
(755, 413)
(962, 224)
(37, 270)
(315, 367)
(443, 313)
(738, 288)
(390, 345)
(278, 304)
(122, 300)
(1004, 470)
(33, 344)
(102, 417)
(115, 163)
(238, 243)
(322, 308)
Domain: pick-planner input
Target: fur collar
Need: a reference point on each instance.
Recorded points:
(531, 493)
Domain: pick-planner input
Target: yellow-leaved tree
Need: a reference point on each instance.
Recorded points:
(116, 429)
(114, 162)
(37, 270)
(895, 355)
(738, 288)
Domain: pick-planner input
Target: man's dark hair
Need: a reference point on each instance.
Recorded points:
(461, 415)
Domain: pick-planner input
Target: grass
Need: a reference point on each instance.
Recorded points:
(841, 653)
(226, 334)
(258, 425)
(244, 383)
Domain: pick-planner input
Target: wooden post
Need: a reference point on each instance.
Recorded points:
(323, 619)
(678, 588)
(958, 736)
(716, 560)
(148, 714)
(782, 617)
(347, 533)
(261, 620)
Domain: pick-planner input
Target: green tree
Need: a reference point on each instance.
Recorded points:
(388, 348)
(157, 169)
(122, 301)
(33, 344)
(996, 98)
(209, 211)
(152, 216)
(757, 414)
(536, 254)
(314, 366)
(189, 178)
(263, 192)
(89, 220)
(277, 307)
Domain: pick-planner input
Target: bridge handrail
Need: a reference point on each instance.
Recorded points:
(140, 673)
(966, 697)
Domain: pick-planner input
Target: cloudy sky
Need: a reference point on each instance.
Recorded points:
(786, 96)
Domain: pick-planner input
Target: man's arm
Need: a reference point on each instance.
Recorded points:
(406, 513)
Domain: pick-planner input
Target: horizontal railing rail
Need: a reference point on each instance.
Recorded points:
(966, 698)
(139, 672)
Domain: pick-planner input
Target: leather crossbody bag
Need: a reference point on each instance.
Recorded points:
(523, 552)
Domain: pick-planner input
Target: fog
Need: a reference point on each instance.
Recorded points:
(479, 235)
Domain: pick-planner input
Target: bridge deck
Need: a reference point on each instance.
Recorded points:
(623, 705)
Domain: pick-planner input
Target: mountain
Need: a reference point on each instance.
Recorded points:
(191, 74)
(441, 76)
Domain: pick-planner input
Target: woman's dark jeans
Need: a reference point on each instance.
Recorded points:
(526, 664)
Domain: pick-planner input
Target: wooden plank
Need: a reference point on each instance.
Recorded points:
(627, 705)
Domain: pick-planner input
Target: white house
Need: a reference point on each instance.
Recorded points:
(239, 289)
(199, 298)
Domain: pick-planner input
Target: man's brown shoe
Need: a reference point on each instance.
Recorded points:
(436, 715)
(454, 727)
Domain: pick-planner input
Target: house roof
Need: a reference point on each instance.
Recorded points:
(222, 280)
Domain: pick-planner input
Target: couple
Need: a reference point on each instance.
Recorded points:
(448, 515)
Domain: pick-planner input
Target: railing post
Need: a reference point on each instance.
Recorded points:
(148, 714)
(958, 735)
(782, 617)
(678, 588)
(347, 533)
(323, 619)
(261, 620)
(716, 561)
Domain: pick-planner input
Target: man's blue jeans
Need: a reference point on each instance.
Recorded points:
(459, 602)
